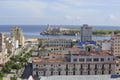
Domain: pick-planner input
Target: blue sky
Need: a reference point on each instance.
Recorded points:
(76, 12)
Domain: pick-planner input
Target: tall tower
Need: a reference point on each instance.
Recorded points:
(1, 41)
(86, 33)
(16, 33)
(3, 50)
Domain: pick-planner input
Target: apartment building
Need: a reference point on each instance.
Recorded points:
(86, 33)
(115, 44)
(3, 50)
(92, 64)
(9, 46)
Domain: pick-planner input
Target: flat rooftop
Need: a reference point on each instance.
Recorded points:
(38, 60)
(94, 54)
(78, 52)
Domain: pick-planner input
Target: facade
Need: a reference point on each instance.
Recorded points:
(117, 67)
(106, 45)
(1, 41)
(86, 33)
(93, 58)
(16, 44)
(9, 46)
(57, 42)
(94, 64)
(3, 50)
(115, 43)
(17, 34)
(55, 48)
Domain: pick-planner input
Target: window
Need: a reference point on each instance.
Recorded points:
(113, 58)
(117, 73)
(96, 59)
(82, 59)
(75, 60)
(102, 59)
(89, 59)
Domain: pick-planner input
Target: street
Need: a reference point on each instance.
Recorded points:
(27, 72)
(28, 68)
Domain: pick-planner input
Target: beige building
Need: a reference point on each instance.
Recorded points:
(3, 50)
(115, 43)
(17, 34)
(115, 49)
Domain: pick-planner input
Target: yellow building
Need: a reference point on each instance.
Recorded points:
(17, 34)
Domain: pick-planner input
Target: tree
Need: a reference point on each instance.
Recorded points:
(16, 66)
(6, 69)
(1, 74)
(13, 78)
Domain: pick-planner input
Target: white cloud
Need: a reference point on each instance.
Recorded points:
(113, 17)
(68, 17)
(78, 18)
(59, 11)
(24, 7)
(93, 3)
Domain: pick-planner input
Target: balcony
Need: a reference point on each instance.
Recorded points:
(81, 69)
(74, 69)
(52, 69)
(67, 69)
(44, 69)
(59, 69)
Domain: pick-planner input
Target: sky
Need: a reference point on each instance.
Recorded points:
(61, 12)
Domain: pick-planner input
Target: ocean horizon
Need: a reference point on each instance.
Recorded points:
(33, 31)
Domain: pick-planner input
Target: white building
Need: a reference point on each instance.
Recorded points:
(86, 33)
(93, 58)
(57, 42)
(16, 44)
(106, 45)
(3, 50)
(9, 46)
(78, 65)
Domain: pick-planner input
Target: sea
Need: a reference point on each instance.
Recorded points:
(33, 31)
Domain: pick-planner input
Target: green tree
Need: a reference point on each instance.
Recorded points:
(13, 78)
(1, 74)
(6, 69)
(17, 66)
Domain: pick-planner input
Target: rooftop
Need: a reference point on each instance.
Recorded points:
(61, 39)
(39, 60)
(94, 54)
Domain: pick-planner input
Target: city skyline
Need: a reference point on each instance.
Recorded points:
(76, 12)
